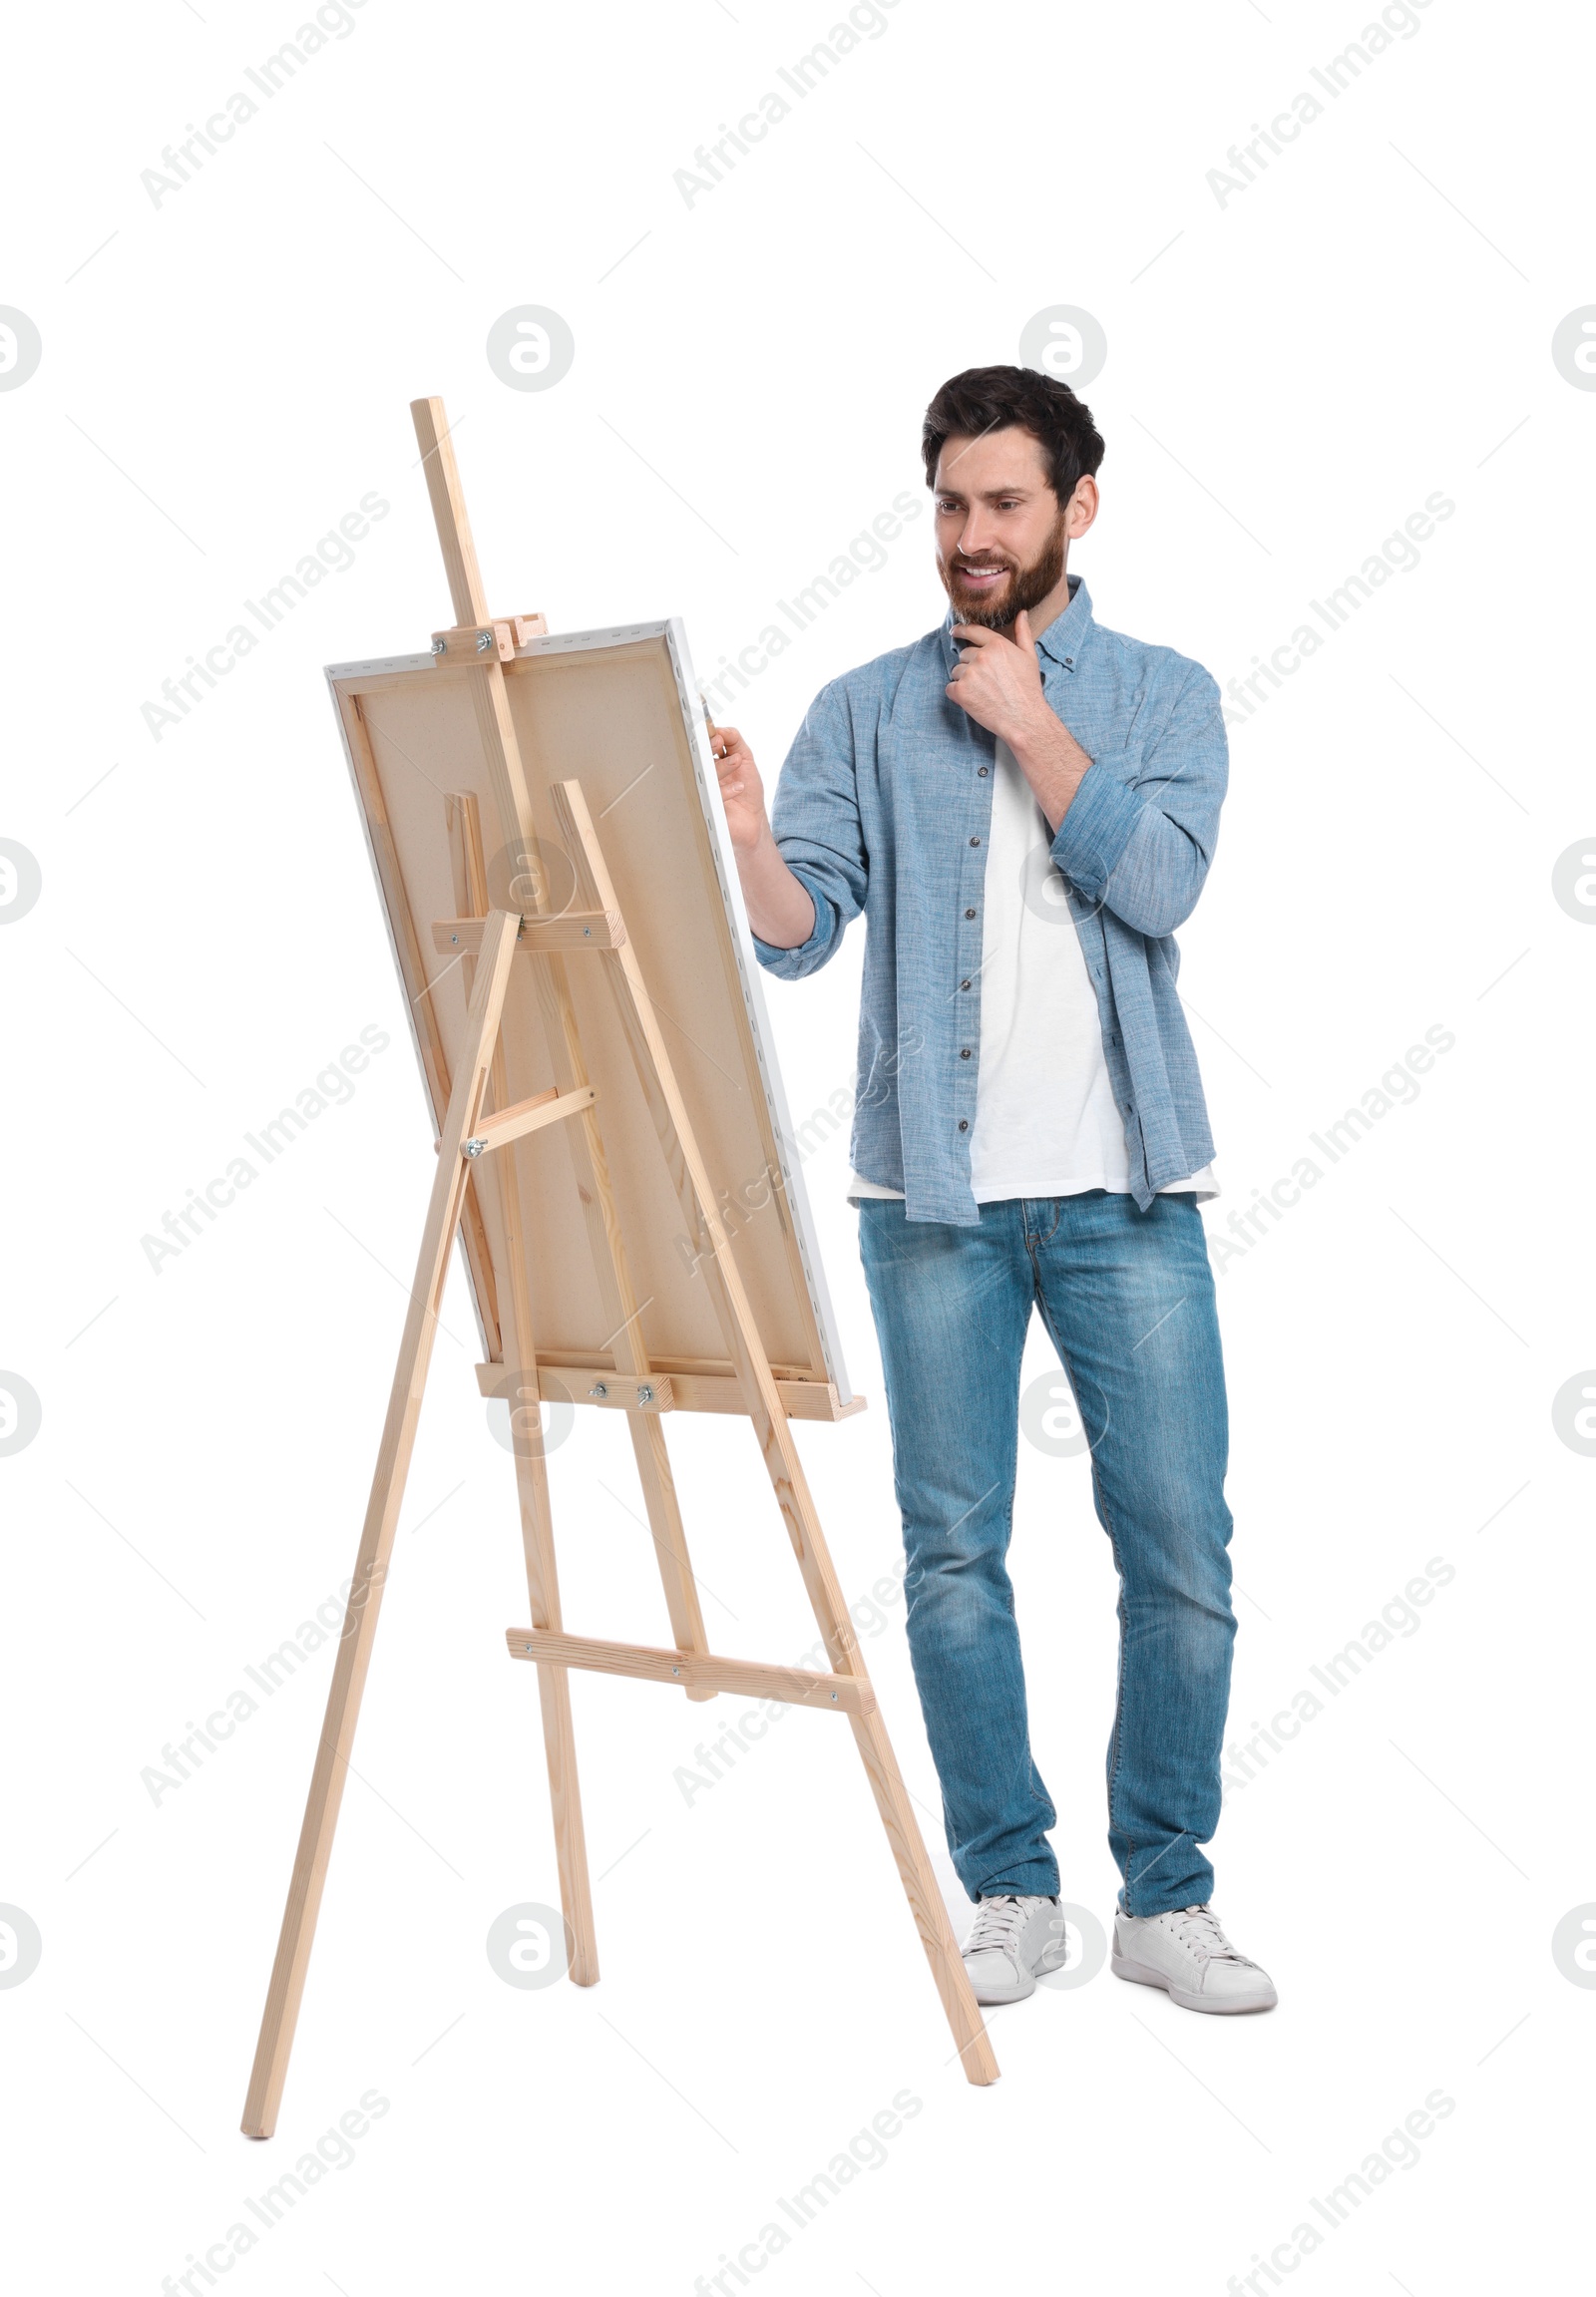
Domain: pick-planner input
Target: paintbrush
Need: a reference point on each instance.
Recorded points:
(714, 730)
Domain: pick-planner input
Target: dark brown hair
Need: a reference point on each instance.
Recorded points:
(984, 399)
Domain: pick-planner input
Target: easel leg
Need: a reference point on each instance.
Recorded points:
(925, 1898)
(531, 1468)
(554, 1683)
(543, 1587)
(376, 1539)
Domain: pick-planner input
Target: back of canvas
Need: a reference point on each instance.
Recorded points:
(614, 710)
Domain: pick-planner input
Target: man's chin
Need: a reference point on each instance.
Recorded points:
(987, 611)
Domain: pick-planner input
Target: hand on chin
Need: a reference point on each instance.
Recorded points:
(996, 680)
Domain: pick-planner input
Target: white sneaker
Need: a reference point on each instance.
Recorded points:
(1188, 1955)
(1011, 1940)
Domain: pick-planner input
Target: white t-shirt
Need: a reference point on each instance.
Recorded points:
(1046, 1121)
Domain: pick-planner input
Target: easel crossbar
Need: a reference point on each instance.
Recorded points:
(527, 1116)
(575, 930)
(695, 1671)
(573, 1379)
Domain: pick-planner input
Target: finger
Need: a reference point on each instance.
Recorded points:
(1022, 636)
(971, 634)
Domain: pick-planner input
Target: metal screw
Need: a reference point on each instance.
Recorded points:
(483, 641)
(438, 646)
(529, 1651)
(646, 1394)
(453, 938)
(834, 1699)
(474, 1148)
(598, 1388)
(675, 1670)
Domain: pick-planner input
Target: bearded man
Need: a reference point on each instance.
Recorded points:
(1023, 806)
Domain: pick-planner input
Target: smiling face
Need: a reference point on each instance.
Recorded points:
(1002, 540)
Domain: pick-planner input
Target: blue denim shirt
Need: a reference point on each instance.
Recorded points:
(884, 807)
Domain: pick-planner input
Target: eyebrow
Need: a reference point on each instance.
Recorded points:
(989, 493)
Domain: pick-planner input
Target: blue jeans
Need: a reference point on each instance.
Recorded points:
(1129, 1300)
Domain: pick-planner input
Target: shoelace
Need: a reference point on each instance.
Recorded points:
(998, 1922)
(1198, 1927)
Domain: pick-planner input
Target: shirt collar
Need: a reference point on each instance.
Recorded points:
(1063, 641)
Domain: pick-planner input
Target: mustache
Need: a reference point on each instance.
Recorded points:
(1025, 585)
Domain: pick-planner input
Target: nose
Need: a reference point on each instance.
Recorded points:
(975, 541)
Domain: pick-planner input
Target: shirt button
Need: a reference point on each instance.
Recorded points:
(969, 912)
(975, 840)
(963, 985)
(964, 1052)
(963, 1125)
(983, 769)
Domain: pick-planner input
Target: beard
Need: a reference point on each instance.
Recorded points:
(1024, 590)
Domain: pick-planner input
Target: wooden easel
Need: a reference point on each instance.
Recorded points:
(592, 929)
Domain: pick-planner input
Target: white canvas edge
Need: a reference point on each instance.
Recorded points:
(749, 969)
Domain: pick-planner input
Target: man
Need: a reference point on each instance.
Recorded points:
(1024, 806)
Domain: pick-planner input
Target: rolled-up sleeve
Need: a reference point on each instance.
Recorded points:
(1139, 833)
(816, 826)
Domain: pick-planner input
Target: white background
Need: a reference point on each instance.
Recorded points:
(1289, 375)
